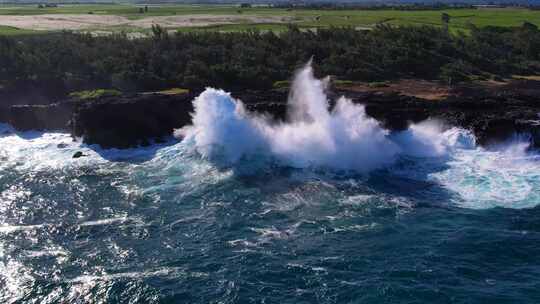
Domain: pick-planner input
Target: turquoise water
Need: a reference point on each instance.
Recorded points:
(166, 225)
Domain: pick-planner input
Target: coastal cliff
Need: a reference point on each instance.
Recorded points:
(127, 121)
(138, 119)
(492, 118)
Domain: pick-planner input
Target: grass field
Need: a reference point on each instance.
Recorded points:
(239, 19)
(9, 30)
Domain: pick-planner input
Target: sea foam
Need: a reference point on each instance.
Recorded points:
(315, 135)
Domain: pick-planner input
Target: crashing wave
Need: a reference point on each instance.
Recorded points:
(343, 138)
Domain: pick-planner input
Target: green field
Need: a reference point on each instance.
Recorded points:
(9, 30)
(304, 18)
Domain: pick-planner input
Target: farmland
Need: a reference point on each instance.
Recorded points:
(131, 18)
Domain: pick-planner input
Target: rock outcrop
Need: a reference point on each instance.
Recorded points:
(132, 120)
(4, 117)
(491, 117)
(128, 121)
(39, 117)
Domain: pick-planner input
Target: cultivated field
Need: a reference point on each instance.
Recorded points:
(121, 17)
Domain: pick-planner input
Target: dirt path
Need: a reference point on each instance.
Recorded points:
(80, 22)
(205, 20)
(61, 22)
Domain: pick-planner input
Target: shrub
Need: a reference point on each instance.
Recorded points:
(94, 94)
(455, 72)
(174, 91)
(281, 84)
(342, 83)
(378, 84)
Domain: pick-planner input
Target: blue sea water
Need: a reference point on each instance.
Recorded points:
(164, 224)
(327, 207)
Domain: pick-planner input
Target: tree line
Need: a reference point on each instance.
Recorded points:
(67, 62)
(404, 6)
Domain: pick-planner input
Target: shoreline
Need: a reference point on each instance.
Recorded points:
(493, 113)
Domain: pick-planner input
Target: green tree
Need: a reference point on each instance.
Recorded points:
(159, 33)
(445, 19)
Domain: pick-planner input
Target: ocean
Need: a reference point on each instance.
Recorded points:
(327, 208)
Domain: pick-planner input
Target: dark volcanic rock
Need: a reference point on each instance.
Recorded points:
(273, 103)
(128, 121)
(4, 114)
(491, 117)
(394, 112)
(39, 117)
(78, 154)
(495, 118)
(277, 111)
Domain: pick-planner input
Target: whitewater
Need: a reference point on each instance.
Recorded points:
(325, 207)
(343, 138)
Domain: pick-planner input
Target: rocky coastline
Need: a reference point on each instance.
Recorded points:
(493, 115)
